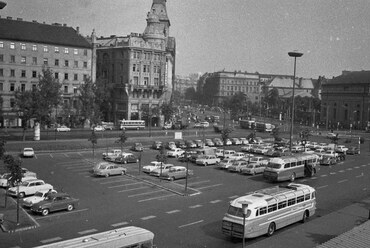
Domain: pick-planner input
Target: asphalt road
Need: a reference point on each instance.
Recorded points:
(177, 221)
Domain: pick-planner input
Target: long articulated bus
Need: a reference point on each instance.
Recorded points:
(125, 237)
(291, 167)
(132, 124)
(269, 209)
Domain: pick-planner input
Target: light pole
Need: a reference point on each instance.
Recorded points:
(244, 208)
(294, 54)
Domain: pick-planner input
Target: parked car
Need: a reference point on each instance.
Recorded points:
(152, 166)
(29, 187)
(209, 142)
(246, 148)
(331, 135)
(199, 143)
(171, 145)
(162, 169)
(331, 153)
(353, 150)
(99, 128)
(236, 141)
(125, 158)
(175, 153)
(258, 160)
(228, 153)
(208, 160)
(237, 155)
(4, 179)
(219, 153)
(186, 156)
(176, 172)
(28, 152)
(218, 142)
(63, 129)
(341, 149)
(137, 147)
(111, 152)
(243, 141)
(109, 170)
(225, 163)
(180, 144)
(157, 145)
(253, 169)
(228, 142)
(328, 160)
(55, 202)
(37, 197)
(237, 166)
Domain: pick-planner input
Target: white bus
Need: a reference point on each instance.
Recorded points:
(132, 124)
(269, 209)
(291, 167)
(130, 236)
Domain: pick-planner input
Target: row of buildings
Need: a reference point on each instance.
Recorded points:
(138, 70)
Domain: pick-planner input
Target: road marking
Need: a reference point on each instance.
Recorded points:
(50, 240)
(146, 193)
(66, 155)
(200, 182)
(173, 211)
(357, 167)
(148, 217)
(342, 181)
(126, 190)
(210, 186)
(215, 201)
(56, 215)
(323, 175)
(233, 197)
(51, 155)
(349, 169)
(364, 165)
(156, 198)
(118, 186)
(193, 223)
(196, 206)
(313, 178)
(321, 187)
(341, 171)
(87, 231)
(117, 181)
(120, 224)
(362, 174)
(333, 173)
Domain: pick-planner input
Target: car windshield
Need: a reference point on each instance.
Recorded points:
(28, 149)
(39, 194)
(253, 160)
(25, 183)
(103, 166)
(250, 166)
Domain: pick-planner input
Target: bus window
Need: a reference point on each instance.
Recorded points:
(263, 210)
(282, 205)
(272, 208)
(287, 165)
(307, 197)
(291, 202)
(292, 164)
(300, 199)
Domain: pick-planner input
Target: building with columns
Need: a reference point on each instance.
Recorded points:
(138, 69)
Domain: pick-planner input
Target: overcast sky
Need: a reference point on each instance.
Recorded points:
(246, 35)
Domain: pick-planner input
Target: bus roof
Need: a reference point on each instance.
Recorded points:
(117, 238)
(267, 196)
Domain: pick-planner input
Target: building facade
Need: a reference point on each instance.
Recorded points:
(26, 48)
(345, 101)
(138, 70)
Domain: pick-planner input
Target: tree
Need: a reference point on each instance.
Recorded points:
(14, 166)
(225, 133)
(276, 134)
(161, 157)
(122, 139)
(2, 148)
(90, 108)
(168, 110)
(25, 105)
(94, 140)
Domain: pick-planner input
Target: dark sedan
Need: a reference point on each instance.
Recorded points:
(55, 202)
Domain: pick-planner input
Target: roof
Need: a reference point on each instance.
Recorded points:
(56, 34)
(358, 237)
(353, 77)
(287, 82)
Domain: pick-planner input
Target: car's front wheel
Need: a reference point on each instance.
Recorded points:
(70, 207)
(45, 212)
(21, 194)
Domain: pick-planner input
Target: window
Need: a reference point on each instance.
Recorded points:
(66, 50)
(23, 87)
(12, 87)
(291, 202)
(56, 62)
(75, 90)
(46, 49)
(12, 59)
(1, 44)
(146, 80)
(12, 45)
(12, 102)
(46, 61)
(23, 46)
(1, 58)
(300, 199)
(34, 60)
(12, 73)
(85, 77)
(282, 205)
(23, 59)
(85, 64)
(23, 73)
(75, 77)
(134, 67)
(85, 52)
(75, 51)
(56, 49)
(1, 88)
(76, 64)
(34, 47)
(136, 80)
(65, 89)
(66, 76)
(1, 72)
(156, 81)
(306, 197)
(34, 74)
(66, 63)
(56, 75)
(263, 210)
(272, 208)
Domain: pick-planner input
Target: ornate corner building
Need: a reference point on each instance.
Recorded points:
(137, 70)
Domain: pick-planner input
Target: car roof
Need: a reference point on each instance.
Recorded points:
(34, 180)
(59, 194)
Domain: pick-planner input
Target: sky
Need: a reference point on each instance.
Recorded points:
(245, 35)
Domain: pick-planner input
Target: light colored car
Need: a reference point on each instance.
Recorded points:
(175, 153)
(63, 129)
(236, 141)
(207, 160)
(253, 169)
(341, 148)
(237, 166)
(37, 197)
(246, 148)
(258, 160)
(228, 142)
(171, 145)
(218, 142)
(29, 187)
(209, 142)
(137, 147)
(176, 172)
(99, 128)
(125, 158)
(219, 152)
(152, 166)
(28, 152)
(237, 155)
(4, 182)
(261, 150)
(199, 143)
(228, 153)
(55, 202)
(109, 170)
(162, 169)
(243, 141)
(225, 163)
(331, 135)
(331, 153)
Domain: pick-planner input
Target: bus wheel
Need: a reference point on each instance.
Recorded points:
(305, 216)
(292, 177)
(271, 230)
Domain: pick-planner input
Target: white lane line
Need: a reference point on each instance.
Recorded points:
(215, 201)
(117, 181)
(45, 241)
(210, 186)
(156, 198)
(193, 223)
(147, 193)
(341, 171)
(87, 231)
(333, 173)
(51, 155)
(349, 169)
(362, 174)
(173, 211)
(126, 190)
(193, 183)
(364, 165)
(233, 196)
(313, 178)
(324, 175)
(118, 186)
(196, 206)
(148, 217)
(63, 213)
(321, 187)
(66, 155)
(342, 181)
(357, 167)
(120, 224)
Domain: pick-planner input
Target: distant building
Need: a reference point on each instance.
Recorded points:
(345, 100)
(138, 70)
(28, 47)
(182, 83)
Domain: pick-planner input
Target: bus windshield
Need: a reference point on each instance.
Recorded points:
(274, 165)
(238, 212)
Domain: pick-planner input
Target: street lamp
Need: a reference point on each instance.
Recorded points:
(244, 208)
(294, 54)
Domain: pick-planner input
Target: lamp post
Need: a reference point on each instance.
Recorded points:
(187, 171)
(244, 207)
(294, 54)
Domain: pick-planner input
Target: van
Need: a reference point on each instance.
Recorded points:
(228, 153)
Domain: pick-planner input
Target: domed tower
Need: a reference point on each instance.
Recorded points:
(158, 24)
